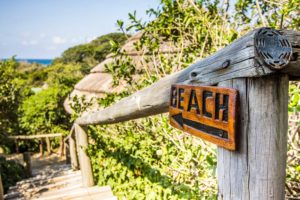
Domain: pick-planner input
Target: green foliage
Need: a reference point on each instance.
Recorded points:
(294, 100)
(147, 159)
(12, 89)
(43, 111)
(91, 53)
(11, 172)
(293, 160)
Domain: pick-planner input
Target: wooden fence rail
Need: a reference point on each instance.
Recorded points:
(243, 62)
(259, 65)
(41, 139)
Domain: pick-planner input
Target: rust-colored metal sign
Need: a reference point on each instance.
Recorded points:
(206, 112)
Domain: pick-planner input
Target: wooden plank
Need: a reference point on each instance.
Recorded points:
(29, 137)
(84, 160)
(206, 112)
(257, 169)
(154, 99)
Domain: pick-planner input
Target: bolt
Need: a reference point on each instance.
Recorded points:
(194, 74)
(226, 64)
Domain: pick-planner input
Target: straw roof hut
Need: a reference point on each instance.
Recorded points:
(99, 82)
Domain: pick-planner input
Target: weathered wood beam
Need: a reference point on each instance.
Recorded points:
(29, 137)
(256, 170)
(84, 160)
(239, 59)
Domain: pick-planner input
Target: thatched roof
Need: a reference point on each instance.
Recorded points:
(99, 82)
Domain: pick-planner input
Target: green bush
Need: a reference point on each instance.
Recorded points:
(148, 159)
(11, 173)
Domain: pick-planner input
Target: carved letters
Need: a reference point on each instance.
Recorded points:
(207, 112)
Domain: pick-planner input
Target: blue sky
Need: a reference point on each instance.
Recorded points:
(45, 28)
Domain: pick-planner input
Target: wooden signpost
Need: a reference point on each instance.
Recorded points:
(259, 66)
(206, 112)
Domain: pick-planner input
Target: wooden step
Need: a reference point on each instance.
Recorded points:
(81, 192)
(65, 190)
(56, 186)
(28, 184)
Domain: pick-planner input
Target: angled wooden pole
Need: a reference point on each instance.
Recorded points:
(257, 169)
(237, 60)
(84, 160)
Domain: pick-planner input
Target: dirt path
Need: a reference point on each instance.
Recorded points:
(39, 162)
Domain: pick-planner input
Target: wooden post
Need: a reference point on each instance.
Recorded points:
(17, 146)
(1, 189)
(67, 153)
(62, 146)
(27, 164)
(41, 146)
(257, 169)
(84, 160)
(73, 153)
(48, 145)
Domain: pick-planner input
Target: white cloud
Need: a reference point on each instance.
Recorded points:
(58, 40)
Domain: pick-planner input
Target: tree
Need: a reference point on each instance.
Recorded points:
(12, 90)
(91, 53)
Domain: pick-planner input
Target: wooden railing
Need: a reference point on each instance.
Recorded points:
(76, 143)
(259, 67)
(41, 139)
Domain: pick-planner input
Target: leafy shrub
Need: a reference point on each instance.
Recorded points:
(11, 172)
(91, 53)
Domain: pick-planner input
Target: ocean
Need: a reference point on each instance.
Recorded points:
(39, 61)
(30, 60)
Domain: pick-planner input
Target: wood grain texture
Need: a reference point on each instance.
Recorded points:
(257, 169)
(155, 98)
(84, 160)
(202, 111)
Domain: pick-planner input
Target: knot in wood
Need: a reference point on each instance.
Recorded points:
(273, 48)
